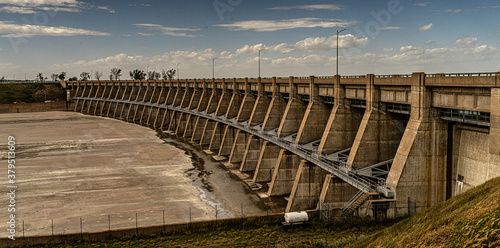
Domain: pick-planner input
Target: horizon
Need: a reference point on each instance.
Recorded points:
(295, 37)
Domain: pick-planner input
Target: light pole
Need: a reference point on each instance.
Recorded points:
(25, 77)
(213, 67)
(147, 72)
(177, 71)
(260, 50)
(338, 32)
(91, 72)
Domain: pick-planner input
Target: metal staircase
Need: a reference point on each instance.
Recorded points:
(354, 203)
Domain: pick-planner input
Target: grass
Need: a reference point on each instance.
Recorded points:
(249, 235)
(471, 219)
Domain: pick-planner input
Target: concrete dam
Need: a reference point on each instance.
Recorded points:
(371, 142)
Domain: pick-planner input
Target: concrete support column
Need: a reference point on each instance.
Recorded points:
(315, 118)
(260, 108)
(418, 172)
(378, 136)
(239, 146)
(494, 139)
(306, 187)
(294, 113)
(284, 174)
(275, 111)
(208, 131)
(266, 163)
(342, 125)
(251, 154)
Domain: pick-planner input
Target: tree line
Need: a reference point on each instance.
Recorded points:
(115, 74)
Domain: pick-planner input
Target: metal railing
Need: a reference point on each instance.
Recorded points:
(336, 167)
(466, 116)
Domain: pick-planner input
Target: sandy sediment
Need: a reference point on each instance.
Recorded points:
(107, 172)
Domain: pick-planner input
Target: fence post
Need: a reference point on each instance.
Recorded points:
(81, 229)
(52, 229)
(136, 227)
(109, 223)
(215, 213)
(189, 217)
(163, 220)
(241, 209)
(23, 229)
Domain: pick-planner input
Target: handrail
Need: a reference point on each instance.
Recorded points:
(335, 167)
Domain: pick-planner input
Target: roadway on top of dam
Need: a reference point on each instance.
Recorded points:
(332, 163)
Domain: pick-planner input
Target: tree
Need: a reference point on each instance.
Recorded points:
(73, 79)
(54, 77)
(2, 79)
(154, 75)
(98, 75)
(62, 76)
(137, 74)
(168, 74)
(39, 77)
(84, 76)
(115, 74)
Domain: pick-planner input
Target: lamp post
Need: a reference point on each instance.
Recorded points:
(147, 72)
(338, 32)
(177, 71)
(213, 67)
(260, 50)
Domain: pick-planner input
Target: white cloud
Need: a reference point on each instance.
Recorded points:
(466, 42)
(309, 45)
(106, 8)
(41, 2)
(388, 50)
(421, 4)
(309, 7)
(17, 10)
(390, 28)
(429, 42)
(425, 28)
(33, 6)
(10, 29)
(169, 30)
(408, 48)
(270, 25)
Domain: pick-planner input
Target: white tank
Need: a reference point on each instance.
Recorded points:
(296, 218)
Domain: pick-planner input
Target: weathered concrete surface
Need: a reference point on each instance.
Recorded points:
(72, 166)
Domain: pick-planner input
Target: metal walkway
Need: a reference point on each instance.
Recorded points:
(331, 164)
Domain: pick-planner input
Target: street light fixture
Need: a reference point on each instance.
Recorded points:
(260, 50)
(177, 71)
(213, 67)
(338, 32)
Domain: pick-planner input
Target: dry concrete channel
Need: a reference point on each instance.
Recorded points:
(102, 173)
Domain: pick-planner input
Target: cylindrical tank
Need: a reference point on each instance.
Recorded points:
(296, 218)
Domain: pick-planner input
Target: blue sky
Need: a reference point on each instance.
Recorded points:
(297, 38)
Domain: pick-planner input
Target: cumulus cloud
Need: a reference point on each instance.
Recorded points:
(271, 25)
(425, 28)
(466, 42)
(169, 30)
(430, 42)
(309, 7)
(408, 48)
(388, 50)
(10, 29)
(310, 44)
